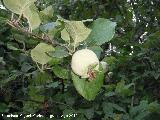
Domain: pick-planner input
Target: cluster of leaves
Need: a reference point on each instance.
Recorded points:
(35, 73)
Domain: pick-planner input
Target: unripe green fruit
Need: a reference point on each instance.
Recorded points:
(82, 60)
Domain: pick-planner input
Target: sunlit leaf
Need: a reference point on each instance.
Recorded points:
(65, 35)
(32, 16)
(102, 31)
(27, 8)
(39, 55)
(46, 14)
(77, 30)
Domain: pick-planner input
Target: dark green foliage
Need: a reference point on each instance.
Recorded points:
(131, 89)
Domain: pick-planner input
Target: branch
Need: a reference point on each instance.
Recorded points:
(43, 38)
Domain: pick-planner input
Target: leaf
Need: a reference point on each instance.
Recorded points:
(67, 113)
(69, 99)
(137, 110)
(97, 50)
(81, 117)
(39, 55)
(30, 106)
(32, 16)
(108, 109)
(77, 30)
(26, 67)
(88, 89)
(3, 107)
(27, 8)
(118, 108)
(61, 72)
(154, 107)
(89, 113)
(2, 20)
(51, 29)
(55, 61)
(48, 27)
(34, 93)
(103, 31)
(156, 75)
(42, 78)
(12, 76)
(53, 85)
(142, 115)
(65, 35)
(110, 60)
(60, 52)
(12, 46)
(17, 6)
(123, 89)
(48, 12)
(109, 94)
(143, 110)
(1, 60)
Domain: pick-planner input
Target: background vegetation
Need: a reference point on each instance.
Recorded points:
(131, 90)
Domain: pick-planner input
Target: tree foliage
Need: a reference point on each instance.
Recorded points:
(38, 38)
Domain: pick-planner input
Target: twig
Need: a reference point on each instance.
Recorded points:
(19, 18)
(12, 16)
(45, 39)
(41, 70)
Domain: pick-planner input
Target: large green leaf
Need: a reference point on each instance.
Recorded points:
(17, 6)
(39, 55)
(77, 30)
(32, 16)
(103, 31)
(88, 89)
(27, 8)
